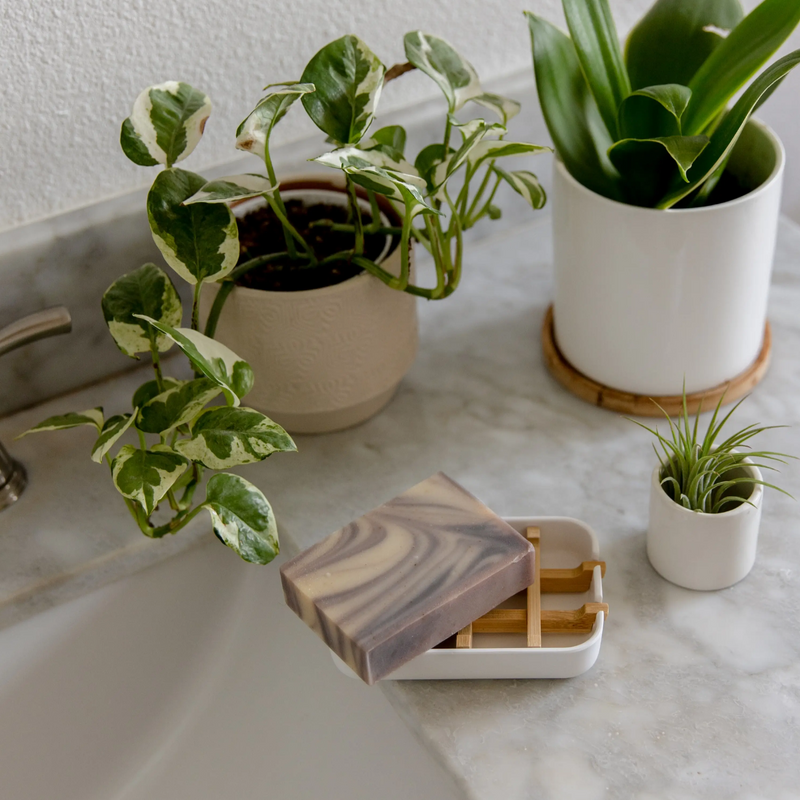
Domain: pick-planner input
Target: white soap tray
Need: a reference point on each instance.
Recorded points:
(565, 544)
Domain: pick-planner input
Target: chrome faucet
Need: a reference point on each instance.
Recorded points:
(40, 325)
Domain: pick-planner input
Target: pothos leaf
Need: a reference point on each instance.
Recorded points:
(439, 60)
(145, 476)
(497, 148)
(60, 422)
(392, 137)
(200, 242)
(242, 518)
(148, 390)
(348, 78)
(253, 133)
(504, 107)
(166, 124)
(525, 184)
(226, 437)
(396, 185)
(347, 157)
(213, 359)
(113, 429)
(177, 405)
(234, 187)
(147, 290)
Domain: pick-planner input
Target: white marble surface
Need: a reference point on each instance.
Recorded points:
(694, 695)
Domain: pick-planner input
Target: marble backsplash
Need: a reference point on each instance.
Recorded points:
(71, 259)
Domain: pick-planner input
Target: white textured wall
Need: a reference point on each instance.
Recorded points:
(70, 70)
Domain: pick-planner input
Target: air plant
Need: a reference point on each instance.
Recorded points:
(707, 475)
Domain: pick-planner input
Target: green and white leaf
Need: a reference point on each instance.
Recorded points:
(428, 159)
(346, 158)
(147, 290)
(226, 437)
(213, 359)
(525, 184)
(60, 422)
(498, 148)
(348, 78)
(145, 476)
(439, 60)
(149, 389)
(253, 133)
(242, 518)
(472, 132)
(113, 429)
(177, 405)
(504, 107)
(166, 124)
(200, 242)
(391, 139)
(234, 187)
(395, 185)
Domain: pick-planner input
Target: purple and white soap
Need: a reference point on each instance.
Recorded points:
(406, 575)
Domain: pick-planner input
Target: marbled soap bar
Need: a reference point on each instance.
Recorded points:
(407, 575)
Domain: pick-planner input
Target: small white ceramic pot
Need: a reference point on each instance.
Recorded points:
(324, 359)
(645, 297)
(702, 551)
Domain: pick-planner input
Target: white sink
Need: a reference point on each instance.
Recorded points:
(193, 680)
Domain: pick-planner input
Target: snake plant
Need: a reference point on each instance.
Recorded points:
(177, 434)
(449, 187)
(651, 125)
(706, 474)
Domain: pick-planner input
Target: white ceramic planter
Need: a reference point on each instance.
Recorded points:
(324, 359)
(702, 551)
(646, 297)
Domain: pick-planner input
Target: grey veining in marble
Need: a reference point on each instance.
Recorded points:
(72, 258)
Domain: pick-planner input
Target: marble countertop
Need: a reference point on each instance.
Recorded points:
(694, 695)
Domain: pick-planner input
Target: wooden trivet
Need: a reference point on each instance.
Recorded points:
(532, 620)
(641, 405)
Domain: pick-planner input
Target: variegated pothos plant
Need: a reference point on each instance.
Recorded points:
(449, 187)
(176, 433)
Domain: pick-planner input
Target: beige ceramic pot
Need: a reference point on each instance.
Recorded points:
(324, 359)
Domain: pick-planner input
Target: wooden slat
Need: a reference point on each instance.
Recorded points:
(515, 620)
(534, 595)
(464, 637)
(570, 580)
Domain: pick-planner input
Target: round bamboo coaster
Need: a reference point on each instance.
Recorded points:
(641, 405)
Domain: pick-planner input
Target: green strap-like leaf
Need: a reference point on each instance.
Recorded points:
(439, 60)
(242, 518)
(348, 78)
(93, 416)
(166, 124)
(113, 429)
(226, 437)
(674, 38)
(213, 359)
(253, 133)
(628, 155)
(525, 184)
(594, 36)
(653, 111)
(747, 48)
(234, 187)
(200, 242)
(147, 290)
(504, 107)
(725, 136)
(145, 476)
(565, 102)
(177, 405)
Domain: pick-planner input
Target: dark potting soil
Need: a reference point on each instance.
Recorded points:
(261, 233)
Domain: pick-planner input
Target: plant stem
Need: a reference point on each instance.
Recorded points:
(485, 210)
(196, 306)
(355, 213)
(287, 233)
(280, 213)
(479, 193)
(142, 440)
(343, 227)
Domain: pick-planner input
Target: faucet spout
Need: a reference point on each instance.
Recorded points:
(49, 322)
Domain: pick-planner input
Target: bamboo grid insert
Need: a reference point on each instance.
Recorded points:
(532, 620)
